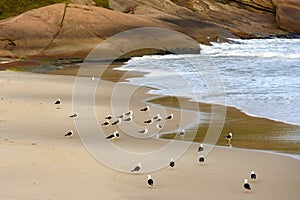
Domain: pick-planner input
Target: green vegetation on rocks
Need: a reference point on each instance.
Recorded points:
(9, 8)
(102, 3)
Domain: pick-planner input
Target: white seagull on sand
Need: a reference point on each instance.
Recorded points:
(73, 115)
(228, 137)
(117, 122)
(170, 117)
(57, 102)
(121, 116)
(129, 113)
(246, 186)
(69, 133)
(137, 168)
(147, 108)
(106, 123)
(113, 136)
(148, 121)
(144, 131)
(172, 163)
(253, 176)
(150, 181)
(201, 148)
(201, 159)
(157, 117)
(182, 133)
(128, 119)
(109, 117)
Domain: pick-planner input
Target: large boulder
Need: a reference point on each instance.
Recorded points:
(73, 30)
(31, 32)
(288, 15)
(64, 30)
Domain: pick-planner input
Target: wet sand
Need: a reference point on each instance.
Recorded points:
(249, 132)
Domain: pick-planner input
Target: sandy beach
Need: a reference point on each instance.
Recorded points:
(38, 162)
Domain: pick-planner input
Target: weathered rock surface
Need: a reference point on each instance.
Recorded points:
(72, 30)
(31, 32)
(288, 15)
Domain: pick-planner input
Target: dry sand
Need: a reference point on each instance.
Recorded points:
(38, 162)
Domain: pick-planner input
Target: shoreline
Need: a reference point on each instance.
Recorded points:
(266, 141)
(249, 132)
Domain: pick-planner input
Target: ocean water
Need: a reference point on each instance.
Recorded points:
(259, 76)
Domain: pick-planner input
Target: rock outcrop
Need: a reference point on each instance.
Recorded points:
(72, 30)
(288, 14)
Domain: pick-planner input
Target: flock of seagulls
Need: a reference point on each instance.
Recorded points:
(137, 169)
(128, 116)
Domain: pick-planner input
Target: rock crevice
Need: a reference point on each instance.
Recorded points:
(58, 31)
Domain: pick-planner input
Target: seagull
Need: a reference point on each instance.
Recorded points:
(57, 102)
(157, 117)
(137, 168)
(253, 176)
(129, 113)
(150, 181)
(170, 117)
(182, 133)
(228, 137)
(109, 117)
(201, 148)
(148, 121)
(159, 126)
(93, 78)
(121, 116)
(247, 186)
(145, 131)
(74, 115)
(172, 163)
(201, 159)
(118, 121)
(128, 119)
(106, 123)
(113, 136)
(145, 109)
(69, 134)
